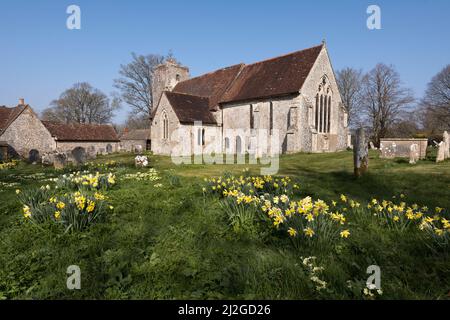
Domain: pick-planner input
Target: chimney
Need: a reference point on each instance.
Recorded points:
(21, 102)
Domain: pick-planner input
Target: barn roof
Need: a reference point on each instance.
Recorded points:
(136, 134)
(81, 132)
(8, 115)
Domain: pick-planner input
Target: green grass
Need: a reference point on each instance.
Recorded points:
(172, 242)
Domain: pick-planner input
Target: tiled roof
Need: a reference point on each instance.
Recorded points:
(81, 132)
(190, 108)
(137, 134)
(211, 85)
(274, 77)
(8, 115)
(261, 80)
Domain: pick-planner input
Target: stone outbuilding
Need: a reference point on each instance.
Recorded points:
(135, 140)
(29, 137)
(293, 99)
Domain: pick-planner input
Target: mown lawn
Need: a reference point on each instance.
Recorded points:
(173, 241)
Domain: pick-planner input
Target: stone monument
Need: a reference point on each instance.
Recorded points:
(360, 153)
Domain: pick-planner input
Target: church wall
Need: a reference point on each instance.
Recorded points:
(337, 138)
(237, 116)
(160, 145)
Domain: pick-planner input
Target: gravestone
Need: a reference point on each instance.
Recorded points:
(446, 145)
(413, 153)
(441, 152)
(372, 146)
(138, 149)
(33, 156)
(59, 160)
(360, 153)
(109, 148)
(79, 155)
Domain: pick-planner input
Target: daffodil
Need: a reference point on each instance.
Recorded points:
(345, 234)
(292, 232)
(309, 232)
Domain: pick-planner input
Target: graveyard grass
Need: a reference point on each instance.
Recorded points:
(173, 242)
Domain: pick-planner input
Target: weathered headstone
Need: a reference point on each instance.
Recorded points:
(59, 160)
(138, 149)
(360, 153)
(441, 152)
(79, 155)
(33, 156)
(413, 153)
(446, 145)
(372, 146)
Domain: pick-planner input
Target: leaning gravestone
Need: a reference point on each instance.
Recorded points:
(446, 145)
(413, 153)
(372, 146)
(360, 153)
(79, 155)
(441, 152)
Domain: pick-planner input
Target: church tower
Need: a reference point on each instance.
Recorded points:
(166, 76)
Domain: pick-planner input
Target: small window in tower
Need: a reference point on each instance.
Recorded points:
(178, 77)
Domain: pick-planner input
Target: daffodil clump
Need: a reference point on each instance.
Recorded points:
(74, 211)
(86, 180)
(8, 165)
(249, 186)
(150, 175)
(305, 218)
(99, 166)
(401, 216)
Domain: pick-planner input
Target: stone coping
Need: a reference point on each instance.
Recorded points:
(403, 139)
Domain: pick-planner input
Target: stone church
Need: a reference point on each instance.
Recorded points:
(293, 98)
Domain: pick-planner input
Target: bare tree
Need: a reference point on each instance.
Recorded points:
(349, 82)
(138, 121)
(383, 98)
(81, 104)
(135, 83)
(436, 103)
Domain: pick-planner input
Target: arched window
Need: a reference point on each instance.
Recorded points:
(178, 77)
(329, 113)
(238, 145)
(271, 116)
(316, 119)
(321, 114)
(322, 120)
(165, 122)
(227, 144)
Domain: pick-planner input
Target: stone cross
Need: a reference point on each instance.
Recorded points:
(413, 153)
(360, 153)
(446, 145)
(441, 152)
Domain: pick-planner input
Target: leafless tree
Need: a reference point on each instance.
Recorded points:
(81, 104)
(135, 82)
(435, 105)
(383, 98)
(138, 121)
(349, 82)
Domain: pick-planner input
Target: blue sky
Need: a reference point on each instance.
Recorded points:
(40, 57)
